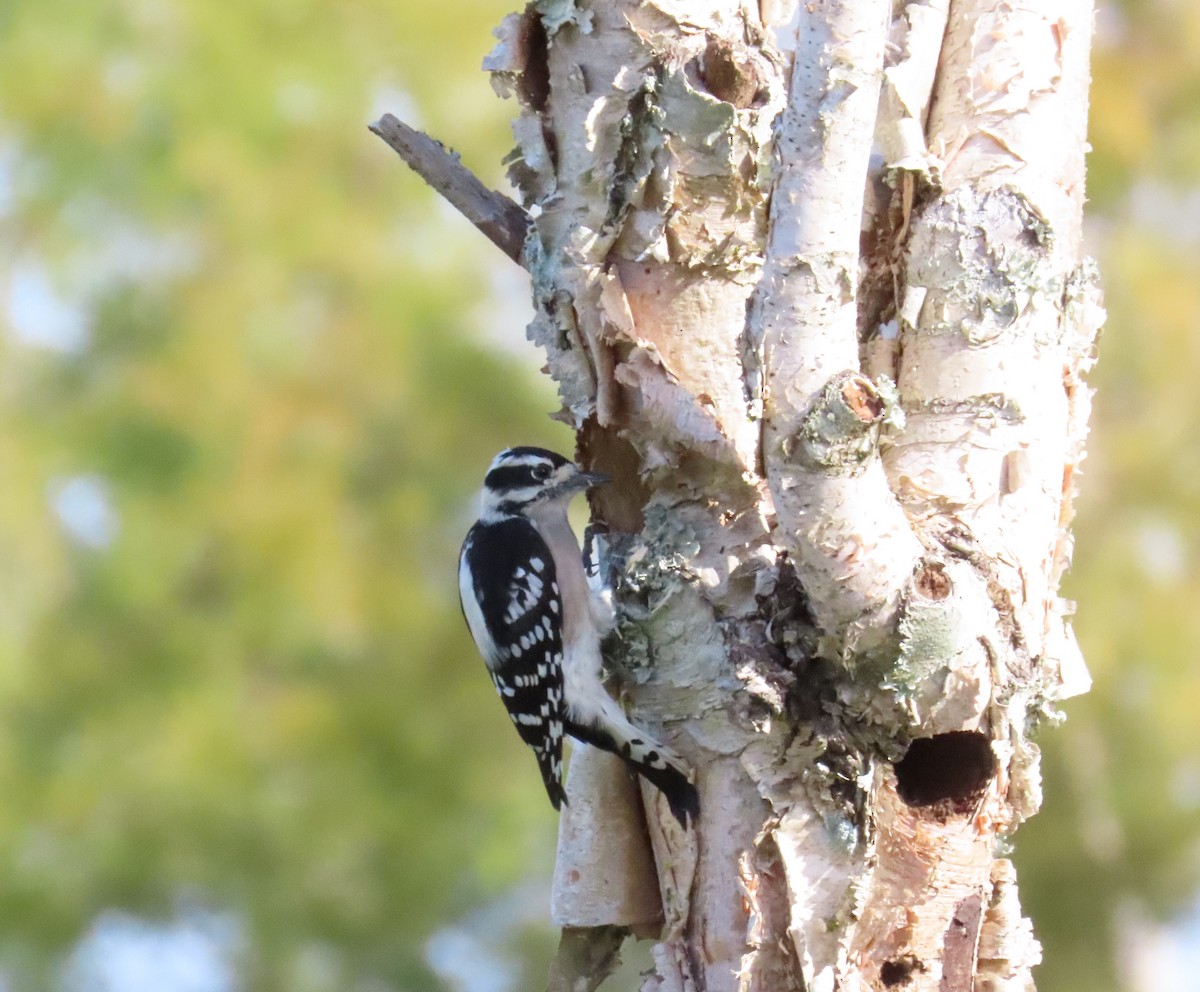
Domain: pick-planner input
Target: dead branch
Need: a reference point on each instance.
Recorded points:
(501, 220)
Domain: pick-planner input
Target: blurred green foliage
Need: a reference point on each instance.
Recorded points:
(260, 695)
(1120, 827)
(244, 683)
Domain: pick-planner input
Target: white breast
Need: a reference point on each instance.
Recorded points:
(581, 639)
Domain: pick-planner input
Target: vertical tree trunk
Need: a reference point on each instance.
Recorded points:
(809, 278)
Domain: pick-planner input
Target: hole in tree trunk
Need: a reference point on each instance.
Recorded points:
(731, 74)
(932, 582)
(948, 770)
(619, 504)
(899, 970)
(535, 80)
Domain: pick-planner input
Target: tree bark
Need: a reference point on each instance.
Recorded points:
(809, 277)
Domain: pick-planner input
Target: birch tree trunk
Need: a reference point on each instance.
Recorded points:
(809, 278)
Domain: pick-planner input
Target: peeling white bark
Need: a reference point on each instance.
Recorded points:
(914, 50)
(604, 874)
(851, 545)
(845, 431)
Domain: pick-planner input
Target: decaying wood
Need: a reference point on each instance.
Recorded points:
(809, 278)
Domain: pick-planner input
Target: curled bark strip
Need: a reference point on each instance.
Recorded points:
(604, 871)
(908, 80)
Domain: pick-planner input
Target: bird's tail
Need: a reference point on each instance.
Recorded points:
(660, 766)
(550, 765)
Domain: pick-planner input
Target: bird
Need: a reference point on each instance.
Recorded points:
(538, 624)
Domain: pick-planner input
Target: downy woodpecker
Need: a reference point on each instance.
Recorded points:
(538, 624)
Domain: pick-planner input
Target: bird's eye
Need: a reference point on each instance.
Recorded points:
(541, 472)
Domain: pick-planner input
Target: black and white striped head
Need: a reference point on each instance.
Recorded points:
(520, 479)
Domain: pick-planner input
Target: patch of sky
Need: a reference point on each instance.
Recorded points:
(506, 310)
(388, 97)
(84, 508)
(50, 307)
(1168, 210)
(117, 247)
(1155, 956)
(475, 953)
(196, 952)
(1162, 553)
(39, 314)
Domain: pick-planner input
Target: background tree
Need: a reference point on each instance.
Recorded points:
(246, 398)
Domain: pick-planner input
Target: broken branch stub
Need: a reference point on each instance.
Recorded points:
(500, 220)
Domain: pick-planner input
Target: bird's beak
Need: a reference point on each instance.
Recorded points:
(580, 481)
(590, 479)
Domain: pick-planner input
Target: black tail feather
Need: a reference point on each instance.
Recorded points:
(668, 776)
(552, 779)
(679, 792)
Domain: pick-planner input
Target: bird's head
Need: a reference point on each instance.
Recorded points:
(522, 479)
